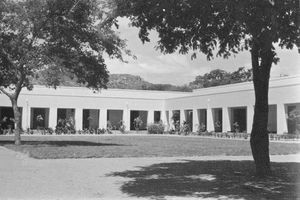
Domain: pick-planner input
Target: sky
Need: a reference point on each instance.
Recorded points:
(177, 69)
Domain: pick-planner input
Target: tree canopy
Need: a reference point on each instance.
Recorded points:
(56, 37)
(221, 77)
(223, 28)
(60, 36)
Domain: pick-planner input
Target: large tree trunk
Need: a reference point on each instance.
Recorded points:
(259, 135)
(17, 118)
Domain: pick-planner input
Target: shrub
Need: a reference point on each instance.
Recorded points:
(122, 126)
(137, 123)
(185, 129)
(156, 128)
(201, 128)
(236, 127)
(218, 126)
(109, 127)
(49, 131)
(65, 127)
(101, 130)
(88, 131)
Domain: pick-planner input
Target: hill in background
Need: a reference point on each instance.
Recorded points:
(116, 81)
(128, 81)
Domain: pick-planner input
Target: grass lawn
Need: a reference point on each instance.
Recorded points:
(49, 147)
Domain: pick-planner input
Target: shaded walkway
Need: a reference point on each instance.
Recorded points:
(212, 179)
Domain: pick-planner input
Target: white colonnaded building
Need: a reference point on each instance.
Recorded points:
(225, 104)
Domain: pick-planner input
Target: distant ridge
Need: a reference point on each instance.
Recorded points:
(119, 81)
(128, 81)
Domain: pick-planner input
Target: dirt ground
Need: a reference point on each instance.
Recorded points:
(22, 177)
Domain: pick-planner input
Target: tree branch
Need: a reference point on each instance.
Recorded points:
(73, 7)
(19, 86)
(5, 92)
(19, 83)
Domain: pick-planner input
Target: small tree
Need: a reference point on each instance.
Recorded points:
(122, 126)
(225, 27)
(56, 37)
(137, 122)
(176, 120)
(40, 121)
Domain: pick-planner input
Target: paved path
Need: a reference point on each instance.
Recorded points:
(22, 177)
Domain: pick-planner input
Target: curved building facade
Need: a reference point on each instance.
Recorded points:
(215, 108)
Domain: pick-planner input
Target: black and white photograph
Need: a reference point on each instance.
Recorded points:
(149, 100)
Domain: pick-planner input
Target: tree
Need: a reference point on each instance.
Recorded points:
(224, 27)
(57, 37)
(220, 77)
(213, 78)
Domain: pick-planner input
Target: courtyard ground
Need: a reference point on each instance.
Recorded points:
(155, 177)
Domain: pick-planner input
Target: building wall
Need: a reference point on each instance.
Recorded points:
(83, 98)
(282, 92)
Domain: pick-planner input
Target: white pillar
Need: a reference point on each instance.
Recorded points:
(78, 118)
(24, 119)
(210, 120)
(195, 120)
(150, 117)
(225, 120)
(281, 119)
(126, 119)
(171, 122)
(26, 116)
(103, 118)
(250, 114)
(182, 117)
(52, 117)
(163, 118)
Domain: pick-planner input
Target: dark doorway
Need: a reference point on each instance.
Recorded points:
(217, 117)
(238, 120)
(39, 118)
(90, 119)
(114, 118)
(7, 117)
(203, 120)
(134, 114)
(157, 116)
(189, 118)
(293, 120)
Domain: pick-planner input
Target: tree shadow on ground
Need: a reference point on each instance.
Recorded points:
(59, 143)
(212, 179)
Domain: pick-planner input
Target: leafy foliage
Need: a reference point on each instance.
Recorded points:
(59, 37)
(137, 122)
(65, 126)
(228, 26)
(221, 77)
(127, 81)
(156, 128)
